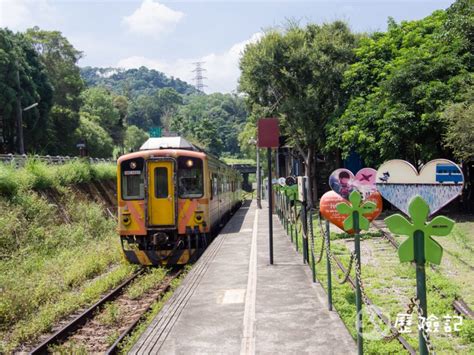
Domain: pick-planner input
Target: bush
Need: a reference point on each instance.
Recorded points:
(8, 183)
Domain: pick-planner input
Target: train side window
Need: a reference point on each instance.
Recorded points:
(161, 182)
(216, 186)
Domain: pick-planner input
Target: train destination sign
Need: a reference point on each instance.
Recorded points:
(439, 182)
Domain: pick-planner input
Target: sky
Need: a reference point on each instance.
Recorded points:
(170, 36)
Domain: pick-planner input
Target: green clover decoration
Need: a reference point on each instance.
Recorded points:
(355, 208)
(419, 211)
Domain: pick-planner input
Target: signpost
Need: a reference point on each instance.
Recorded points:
(268, 137)
(155, 132)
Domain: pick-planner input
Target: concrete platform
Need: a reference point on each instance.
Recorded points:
(234, 302)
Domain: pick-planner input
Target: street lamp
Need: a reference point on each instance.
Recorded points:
(30, 107)
(259, 180)
(21, 143)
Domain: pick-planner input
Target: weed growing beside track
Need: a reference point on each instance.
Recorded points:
(38, 175)
(55, 256)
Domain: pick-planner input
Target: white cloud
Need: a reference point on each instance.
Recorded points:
(21, 14)
(222, 70)
(152, 19)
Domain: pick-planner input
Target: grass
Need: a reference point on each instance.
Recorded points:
(38, 175)
(110, 314)
(49, 267)
(390, 285)
(146, 283)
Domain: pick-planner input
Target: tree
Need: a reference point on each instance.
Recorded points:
(144, 112)
(98, 142)
(23, 75)
(100, 104)
(134, 138)
(60, 59)
(214, 121)
(297, 75)
(399, 87)
(168, 100)
(460, 132)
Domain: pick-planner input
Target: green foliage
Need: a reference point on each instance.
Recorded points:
(99, 144)
(39, 176)
(54, 260)
(22, 73)
(134, 138)
(133, 82)
(146, 283)
(212, 121)
(400, 84)
(459, 136)
(98, 105)
(110, 315)
(60, 60)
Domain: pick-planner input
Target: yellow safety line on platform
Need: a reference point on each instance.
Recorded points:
(248, 338)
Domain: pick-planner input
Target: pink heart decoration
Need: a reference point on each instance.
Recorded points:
(343, 182)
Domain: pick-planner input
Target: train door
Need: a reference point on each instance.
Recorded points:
(161, 194)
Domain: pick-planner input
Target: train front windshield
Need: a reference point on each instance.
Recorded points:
(132, 179)
(190, 177)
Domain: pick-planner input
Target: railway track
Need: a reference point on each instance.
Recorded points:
(458, 304)
(74, 327)
(384, 319)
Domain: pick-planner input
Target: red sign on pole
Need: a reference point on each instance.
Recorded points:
(268, 133)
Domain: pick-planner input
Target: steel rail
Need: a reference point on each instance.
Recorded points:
(458, 304)
(114, 348)
(384, 319)
(82, 318)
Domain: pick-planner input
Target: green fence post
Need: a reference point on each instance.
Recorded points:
(355, 222)
(355, 217)
(327, 236)
(313, 261)
(296, 222)
(419, 247)
(421, 283)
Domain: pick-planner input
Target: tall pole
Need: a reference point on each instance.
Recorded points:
(355, 216)
(419, 237)
(328, 263)
(19, 114)
(259, 180)
(270, 204)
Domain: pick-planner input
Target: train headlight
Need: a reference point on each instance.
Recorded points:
(198, 217)
(126, 219)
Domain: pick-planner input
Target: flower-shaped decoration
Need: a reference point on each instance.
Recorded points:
(356, 210)
(419, 211)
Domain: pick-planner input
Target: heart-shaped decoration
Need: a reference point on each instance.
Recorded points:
(439, 182)
(330, 199)
(343, 182)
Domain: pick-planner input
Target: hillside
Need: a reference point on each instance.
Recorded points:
(133, 82)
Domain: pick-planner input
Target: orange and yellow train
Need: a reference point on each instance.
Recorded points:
(172, 199)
